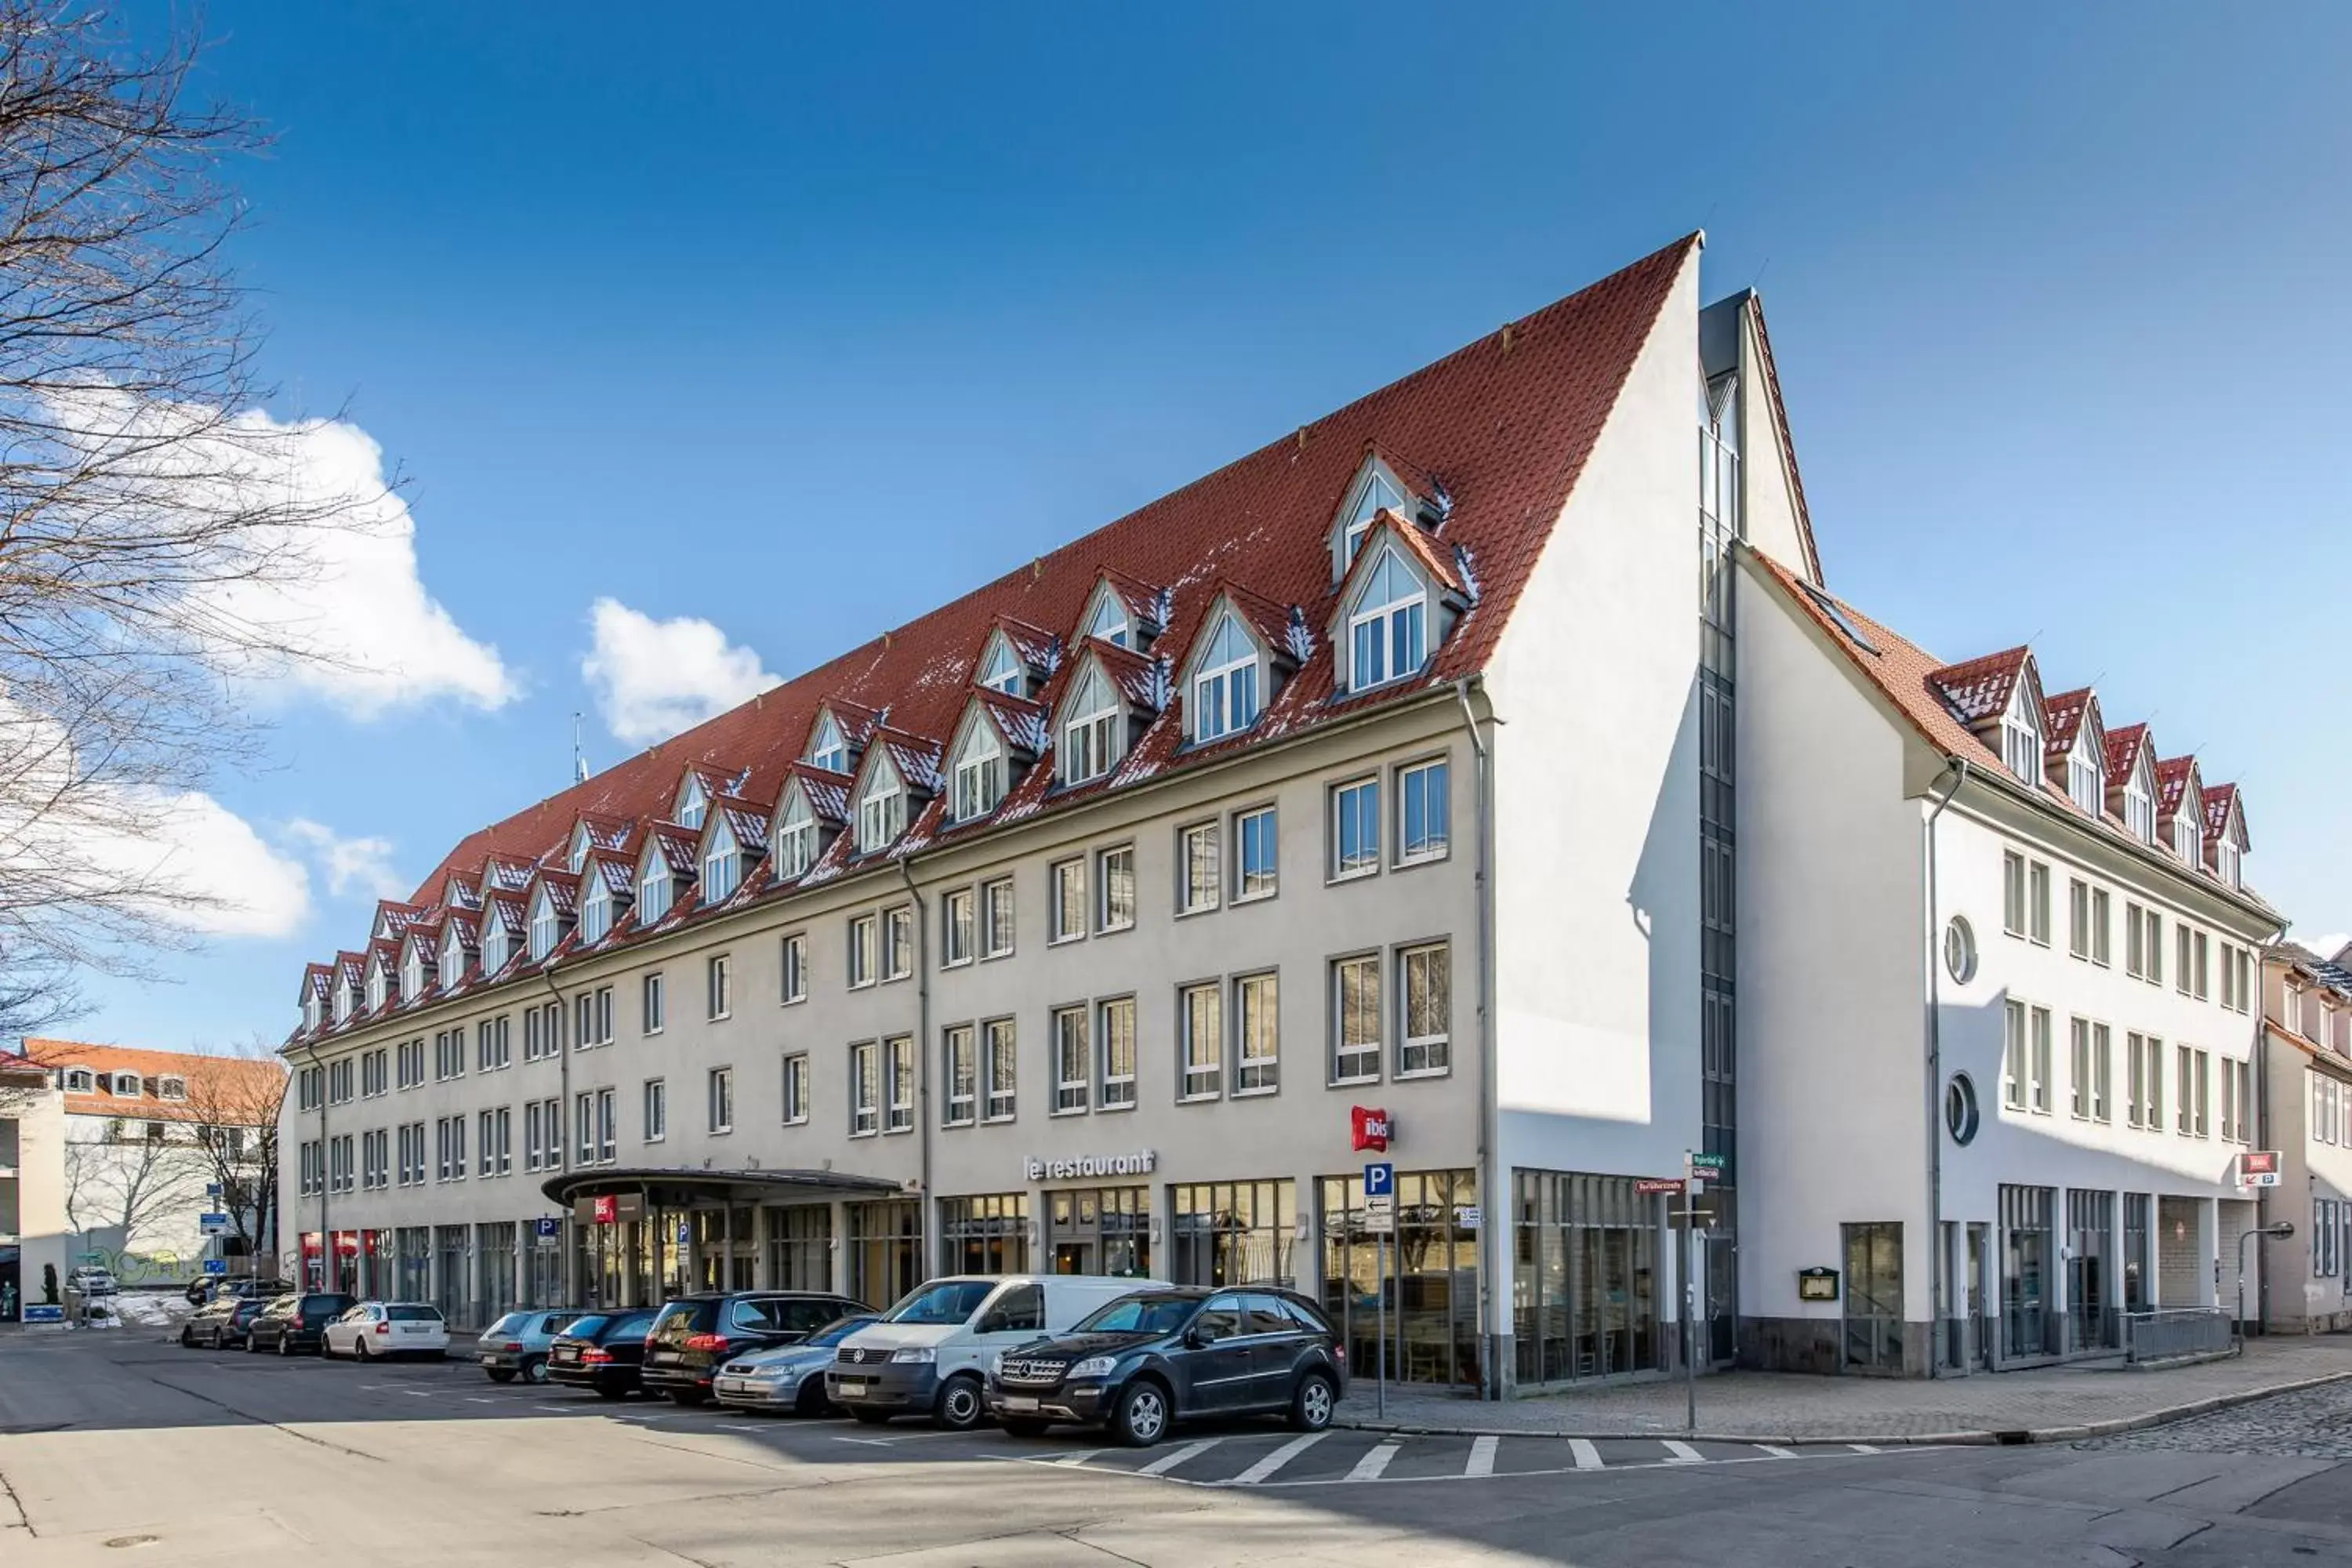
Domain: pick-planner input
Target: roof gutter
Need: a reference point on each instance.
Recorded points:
(1490, 1115)
(1938, 1273)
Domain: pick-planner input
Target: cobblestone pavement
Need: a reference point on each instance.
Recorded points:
(2313, 1424)
(1788, 1408)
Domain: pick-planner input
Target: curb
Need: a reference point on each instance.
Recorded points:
(1980, 1438)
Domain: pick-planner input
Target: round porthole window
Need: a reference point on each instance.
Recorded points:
(1960, 949)
(1960, 1108)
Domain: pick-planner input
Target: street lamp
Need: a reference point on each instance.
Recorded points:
(2277, 1231)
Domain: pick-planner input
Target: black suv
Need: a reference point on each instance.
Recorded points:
(693, 1334)
(1141, 1364)
(602, 1350)
(292, 1324)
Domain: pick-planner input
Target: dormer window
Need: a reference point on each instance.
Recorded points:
(980, 774)
(126, 1085)
(494, 943)
(1094, 733)
(2226, 864)
(314, 1011)
(81, 1081)
(582, 843)
(376, 987)
(722, 863)
(654, 888)
(796, 837)
(881, 811)
(1376, 490)
(546, 927)
(344, 999)
(412, 973)
(827, 749)
(596, 908)
(1388, 632)
(693, 802)
(2021, 735)
(171, 1089)
(2188, 839)
(2083, 783)
(1110, 623)
(1000, 669)
(1224, 691)
(2139, 808)
(453, 959)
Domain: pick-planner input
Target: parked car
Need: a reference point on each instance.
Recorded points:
(787, 1377)
(1140, 1365)
(375, 1329)
(221, 1323)
(90, 1280)
(291, 1324)
(929, 1353)
(693, 1334)
(602, 1351)
(516, 1344)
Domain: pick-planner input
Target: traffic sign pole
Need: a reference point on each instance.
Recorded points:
(1379, 1219)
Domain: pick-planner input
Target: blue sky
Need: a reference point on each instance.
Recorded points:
(690, 309)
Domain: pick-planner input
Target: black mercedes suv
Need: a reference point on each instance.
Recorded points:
(1141, 1364)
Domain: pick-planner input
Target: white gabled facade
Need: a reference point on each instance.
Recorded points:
(2307, 1093)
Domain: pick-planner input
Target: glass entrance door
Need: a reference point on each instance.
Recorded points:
(1874, 1297)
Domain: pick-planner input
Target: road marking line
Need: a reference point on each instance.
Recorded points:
(1586, 1456)
(1776, 1453)
(1072, 1461)
(418, 1393)
(1864, 1448)
(1683, 1453)
(1369, 1466)
(1482, 1457)
(1276, 1460)
(1169, 1461)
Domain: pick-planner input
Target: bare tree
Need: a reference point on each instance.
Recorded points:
(236, 1097)
(135, 1175)
(149, 511)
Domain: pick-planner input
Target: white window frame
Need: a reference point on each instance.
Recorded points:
(881, 810)
(1110, 622)
(596, 910)
(2084, 780)
(655, 886)
(865, 1089)
(1224, 702)
(865, 950)
(1114, 866)
(722, 862)
(897, 941)
(1426, 1053)
(1358, 798)
(828, 748)
(1072, 1036)
(718, 1091)
(795, 845)
(651, 1004)
(1002, 669)
(960, 1071)
(1115, 1060)
(1093, 727)
(1375, 491)
(795, 1105)
(2021, 735)
(1065, 881)
(1256, 1054)
(719, 988)
(1200, 1074)
(793, 964)
(1243, 892)
(959, 927)
(1200, 867)
(1357, 1059)
(1434, 845)
(898, 1084)
(453, 959)
(1000, 1066)
(997, 911)
(693, 802)
(654, 1101)
(1401, 616)
(981, 773)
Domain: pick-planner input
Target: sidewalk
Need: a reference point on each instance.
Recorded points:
(2056, 1404)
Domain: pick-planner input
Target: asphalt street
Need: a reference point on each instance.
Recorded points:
(116, 1443)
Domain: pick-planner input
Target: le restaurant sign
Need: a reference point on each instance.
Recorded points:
(1142, 1162)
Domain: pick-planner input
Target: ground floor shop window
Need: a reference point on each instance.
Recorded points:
(726, 1249)
(2090, 1273)
(453, 1282)
(1431, 1290)
(1874, 1297)
(416, 1245)
(2025, 1317)
(1233, 1232)
(1099, 1230)
(495, 1249)
(885, 1251)
(378, 1277)
(2138, 1271)
(543, 1272)
(800, 1246)
(1584, 1285)
(984, 1234)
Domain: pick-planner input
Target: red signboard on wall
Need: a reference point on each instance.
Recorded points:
(1370, 1127)
(607, 1210)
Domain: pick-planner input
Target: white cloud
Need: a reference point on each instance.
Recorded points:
(214, 874)
(2326, 946)
(653, 679)
(362, 865)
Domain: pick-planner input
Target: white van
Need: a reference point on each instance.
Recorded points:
(929, 1353)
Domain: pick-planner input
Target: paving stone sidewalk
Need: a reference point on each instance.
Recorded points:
(2060, 1404)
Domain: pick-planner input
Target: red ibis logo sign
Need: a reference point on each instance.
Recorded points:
(1370, 1127)
(607, 1210)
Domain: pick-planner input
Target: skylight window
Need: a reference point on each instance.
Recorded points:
(1225, 691)
(1091, 737)
(796, 837)
(828, 750)
(980, 774)
(693, 802)
(1001, 669)
(1838, 617)
(1110, 623)
(1387, 632)
(881, 811)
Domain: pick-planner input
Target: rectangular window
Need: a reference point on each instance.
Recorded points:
(1200, 1020)
(1068, 882)
(1356, 828)
(2134, 942)
(960, 1068)
(721, 1093)
(864, 943)
(2183, 973)
(2243, 1072)
(2078, 918)
(1257, 1034)
(898, 942)
(1253, 854)
(2203, 953)
(2229, 977)
(797, 1088)
(650, 1002)
(865, 1089)
(656, 1111)
(2101, 947)
(996, 917)
(2184, 1090)
(1073, 1062)
(959, 927)
(1116, 1030)
(898, 1071)
(1426, 1008)
(1115, 889)
(722, 995)
(2102, 1073)
(2155, 947)
(2041, 1060)
(2204, 1091)
(608, 1126)
(2079, 1079)
(2013, 1056)
(1356, 1019)
(1197, 858)
(794, 966)
(1423, 825)
(2037, 912)
(1003, 1069)
(2012, 893)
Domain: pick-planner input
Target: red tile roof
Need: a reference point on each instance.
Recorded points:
(2061, 716)
(1979, 689)
(2172, 776)
(2124, 747)
(217, 1086)
(2219, 799)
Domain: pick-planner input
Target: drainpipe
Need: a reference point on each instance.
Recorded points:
(922, 1059)
(1939, 1272)
(1491, 1197)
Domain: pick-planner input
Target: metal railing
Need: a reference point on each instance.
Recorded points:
(2165, 1332)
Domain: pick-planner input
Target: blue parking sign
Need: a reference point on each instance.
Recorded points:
(215, 1265)
(1379, 1181)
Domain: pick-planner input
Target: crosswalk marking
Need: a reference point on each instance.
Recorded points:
(1682, 1453)
(1586, 1456)
(1482, 1457)
(1170, 1460)
(1864, 1448)
(1072, 1461)
(1375, 1461)
(1776, 1453)
(1276, 1460)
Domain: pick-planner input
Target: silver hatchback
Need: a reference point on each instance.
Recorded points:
(516, 1344)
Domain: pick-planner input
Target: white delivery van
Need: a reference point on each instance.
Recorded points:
(929, 1353)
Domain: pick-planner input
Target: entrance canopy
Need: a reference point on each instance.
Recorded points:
(659, 1187)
